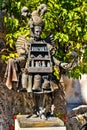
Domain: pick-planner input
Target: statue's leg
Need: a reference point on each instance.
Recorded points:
(19, 83)
(24, 82)
(36, 103)
(47, 102)
(37, 83)
(29, 87)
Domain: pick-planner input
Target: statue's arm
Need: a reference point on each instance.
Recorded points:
(56, 62)
(21, 48)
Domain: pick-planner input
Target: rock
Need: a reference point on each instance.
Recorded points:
(59, 102)
(77, 117)
(78, 110)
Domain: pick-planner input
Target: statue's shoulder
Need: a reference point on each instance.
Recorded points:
(21, 40)
(21, 45)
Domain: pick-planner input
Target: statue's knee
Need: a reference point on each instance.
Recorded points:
(24, 80)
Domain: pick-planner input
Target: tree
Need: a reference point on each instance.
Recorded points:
(65, 19)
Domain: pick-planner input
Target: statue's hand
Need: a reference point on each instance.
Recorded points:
(68, 66)
(51, 39)
(25, 12)
(64, 65)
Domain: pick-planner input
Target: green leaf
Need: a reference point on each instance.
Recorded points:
(85, 36)
(1, 1)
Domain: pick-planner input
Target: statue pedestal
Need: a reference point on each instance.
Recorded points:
(24, 123)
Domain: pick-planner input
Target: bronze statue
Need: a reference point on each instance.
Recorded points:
(32, 71)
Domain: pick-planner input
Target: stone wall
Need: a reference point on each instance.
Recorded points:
(77, 118)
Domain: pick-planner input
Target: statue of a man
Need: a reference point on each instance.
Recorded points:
(15, 71)
(17, 68)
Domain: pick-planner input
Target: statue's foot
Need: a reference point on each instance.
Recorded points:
(22, 90)
(43, 116)
(34, 116)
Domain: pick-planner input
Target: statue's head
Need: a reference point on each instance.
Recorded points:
(37, 32)
(36, 23)
(36, 26)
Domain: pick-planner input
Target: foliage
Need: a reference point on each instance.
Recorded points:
(65, 19)
(1, 1)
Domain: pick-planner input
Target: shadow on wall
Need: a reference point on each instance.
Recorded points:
(75, 91)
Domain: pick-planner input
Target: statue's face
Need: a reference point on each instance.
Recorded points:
(37, 32)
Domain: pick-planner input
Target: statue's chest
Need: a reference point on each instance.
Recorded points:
(39, 58)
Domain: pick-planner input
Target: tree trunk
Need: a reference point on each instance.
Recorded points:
(2, 45)
(2, 31)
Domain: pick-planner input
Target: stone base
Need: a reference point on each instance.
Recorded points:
(23, 123)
